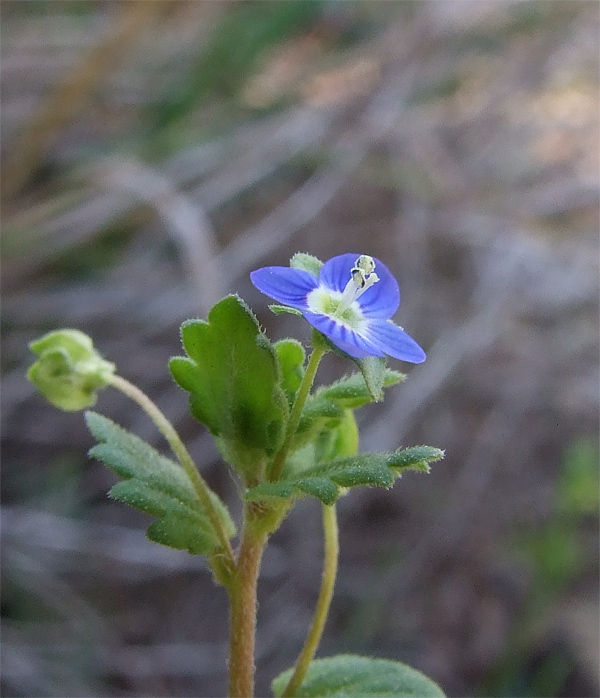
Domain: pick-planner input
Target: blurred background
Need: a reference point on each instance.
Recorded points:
(153, 154)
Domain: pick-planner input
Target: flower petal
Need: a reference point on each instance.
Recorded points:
(335, 273)
(288, 286)
(344, 337)
(379, 301)
(394, 341)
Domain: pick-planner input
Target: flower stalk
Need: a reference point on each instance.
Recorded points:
(183, 456)
(330, 565)
(308, 379)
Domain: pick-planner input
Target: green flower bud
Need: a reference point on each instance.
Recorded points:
(69, 370)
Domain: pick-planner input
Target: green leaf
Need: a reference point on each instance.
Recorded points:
(69, 371)
(291, 357)
(326, 481)
(326, 440)
(362, 677)
(338, 440)
(157, 486)
(306, 262)
(232, 374)
(318, 414)
(352, 391)
(318, 406)
(182, 533)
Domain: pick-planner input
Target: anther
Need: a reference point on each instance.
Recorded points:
(362, 277)
(365, 263)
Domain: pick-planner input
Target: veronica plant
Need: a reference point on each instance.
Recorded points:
(283, 439)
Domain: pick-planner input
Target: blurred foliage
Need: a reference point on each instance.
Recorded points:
(235, 46)
(555, 555)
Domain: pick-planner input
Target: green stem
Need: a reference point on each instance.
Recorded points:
(242, 595)
(296, 413)
(315, 633)
(177, 446)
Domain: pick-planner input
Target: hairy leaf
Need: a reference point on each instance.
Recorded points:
(157, 486)
(327, 480)
(232, 374)
(318, 414)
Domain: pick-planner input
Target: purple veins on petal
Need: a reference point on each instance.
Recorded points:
(288, 286)
(394, 341)
(335, 273)
(381, 300)
(344, 337)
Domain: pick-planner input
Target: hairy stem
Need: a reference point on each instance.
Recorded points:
(177, 446)
(242, 595)
(296, 413)
(315, 633)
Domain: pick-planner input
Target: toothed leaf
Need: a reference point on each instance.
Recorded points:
(233, 377)
(327, 480)
(157, 486)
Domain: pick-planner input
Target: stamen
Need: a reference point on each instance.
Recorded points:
(366, 263)
(362, 277)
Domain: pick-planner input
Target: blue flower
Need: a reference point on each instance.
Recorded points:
(351, 302)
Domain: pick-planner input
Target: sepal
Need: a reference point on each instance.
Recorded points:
(306, 262)
(373, 369)
(277, 309)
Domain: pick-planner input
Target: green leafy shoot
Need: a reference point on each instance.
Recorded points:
(157, 486)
